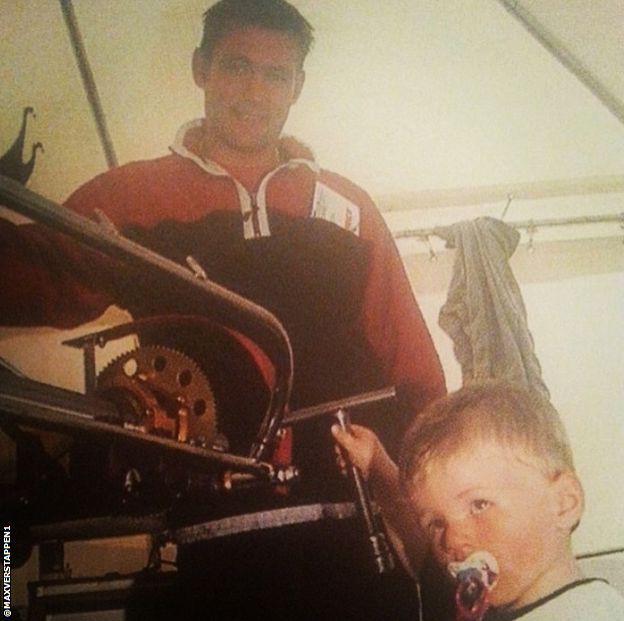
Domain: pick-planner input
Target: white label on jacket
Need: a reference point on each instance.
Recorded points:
(331, 206)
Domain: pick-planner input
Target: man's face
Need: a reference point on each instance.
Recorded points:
(487, 498)
(249, 83)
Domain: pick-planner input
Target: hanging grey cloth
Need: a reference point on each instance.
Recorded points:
(484, 313)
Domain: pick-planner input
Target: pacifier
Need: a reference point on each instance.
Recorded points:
(476, 577)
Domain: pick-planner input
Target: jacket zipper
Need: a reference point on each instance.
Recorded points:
(255, 222)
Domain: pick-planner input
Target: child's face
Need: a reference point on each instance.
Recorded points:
(491, 498)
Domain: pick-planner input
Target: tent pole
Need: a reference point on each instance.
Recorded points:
(565, 57)
(88, 81)
(424, 234)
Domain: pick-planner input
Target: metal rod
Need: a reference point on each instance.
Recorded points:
(424, 234)
(331, 407)
(88, 81)
(28, 403)
(219, 303)
(565, 57)
(382, 555)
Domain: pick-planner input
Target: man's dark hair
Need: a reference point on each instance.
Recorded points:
(227, 15)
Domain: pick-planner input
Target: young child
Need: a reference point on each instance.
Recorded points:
(489, 470)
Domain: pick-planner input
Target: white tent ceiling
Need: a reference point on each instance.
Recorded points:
(424, 103)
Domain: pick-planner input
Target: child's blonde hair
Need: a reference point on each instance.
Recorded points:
(513, 416)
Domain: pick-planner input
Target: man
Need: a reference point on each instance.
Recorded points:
(260, 217)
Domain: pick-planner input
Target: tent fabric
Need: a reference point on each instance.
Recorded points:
(484, 313)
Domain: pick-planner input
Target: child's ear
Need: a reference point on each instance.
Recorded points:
(568, 501)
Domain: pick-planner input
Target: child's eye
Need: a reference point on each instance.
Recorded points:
(479, 506)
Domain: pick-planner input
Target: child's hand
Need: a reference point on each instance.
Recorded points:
(361, 446)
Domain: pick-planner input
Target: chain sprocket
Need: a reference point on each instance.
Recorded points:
(161, 391)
